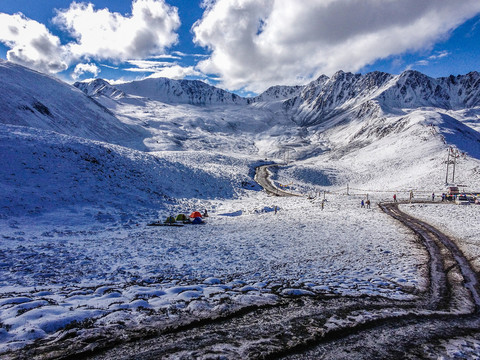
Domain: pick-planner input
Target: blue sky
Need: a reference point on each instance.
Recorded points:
(241, 45)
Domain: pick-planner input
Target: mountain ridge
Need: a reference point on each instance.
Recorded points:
(322, 98)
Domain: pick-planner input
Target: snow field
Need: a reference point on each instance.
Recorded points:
(460, 222)
(54, 278)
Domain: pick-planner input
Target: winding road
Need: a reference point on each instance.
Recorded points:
(327, 327)
(262, 177)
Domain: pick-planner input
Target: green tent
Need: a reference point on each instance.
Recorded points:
(181, 217)
(170, 220)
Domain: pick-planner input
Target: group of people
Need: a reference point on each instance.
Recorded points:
(367, 203)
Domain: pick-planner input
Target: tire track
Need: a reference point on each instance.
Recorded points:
(444, 256)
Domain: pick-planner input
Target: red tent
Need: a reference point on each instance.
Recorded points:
(195, 214)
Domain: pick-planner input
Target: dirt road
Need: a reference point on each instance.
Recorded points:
(262, 177)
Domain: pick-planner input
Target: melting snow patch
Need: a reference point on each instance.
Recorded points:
(296, 292)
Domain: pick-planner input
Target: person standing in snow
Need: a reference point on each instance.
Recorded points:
(394, 197)
(368, 204)
(433, 196)
(362, 204)
(276, 209)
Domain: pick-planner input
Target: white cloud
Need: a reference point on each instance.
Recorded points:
(101, 34)
(81, 69)
(31, 44)
(422, 63)
(163, 69)
(176, 72)
(439, 55)
(175, 56)
(97, 34)
(117, 81)
(258, 43)
(110, 66)
(151, 65)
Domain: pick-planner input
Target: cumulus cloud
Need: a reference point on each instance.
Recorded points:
(31, 44)
(81, 69)
(101, 34)
(97, 35)
(258, 43)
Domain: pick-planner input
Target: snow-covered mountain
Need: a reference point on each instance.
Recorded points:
(317, 101)
(337, 115)
(29, 98)
(99, 87)
(328, 97)
(192, 92)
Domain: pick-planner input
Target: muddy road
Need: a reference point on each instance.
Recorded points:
(326, 327)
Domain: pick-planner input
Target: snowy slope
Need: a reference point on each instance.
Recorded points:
(29, 98)
(44, 172)
(277, 93)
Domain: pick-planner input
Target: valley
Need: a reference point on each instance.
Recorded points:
(85, 168)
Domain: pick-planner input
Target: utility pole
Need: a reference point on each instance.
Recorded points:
(454, 163)
(448, 163)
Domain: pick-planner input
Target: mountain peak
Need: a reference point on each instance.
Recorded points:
(99, 87)
(194, 92)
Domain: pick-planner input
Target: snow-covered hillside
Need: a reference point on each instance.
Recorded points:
(403, 152)
(44, 172)
(28, 98)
